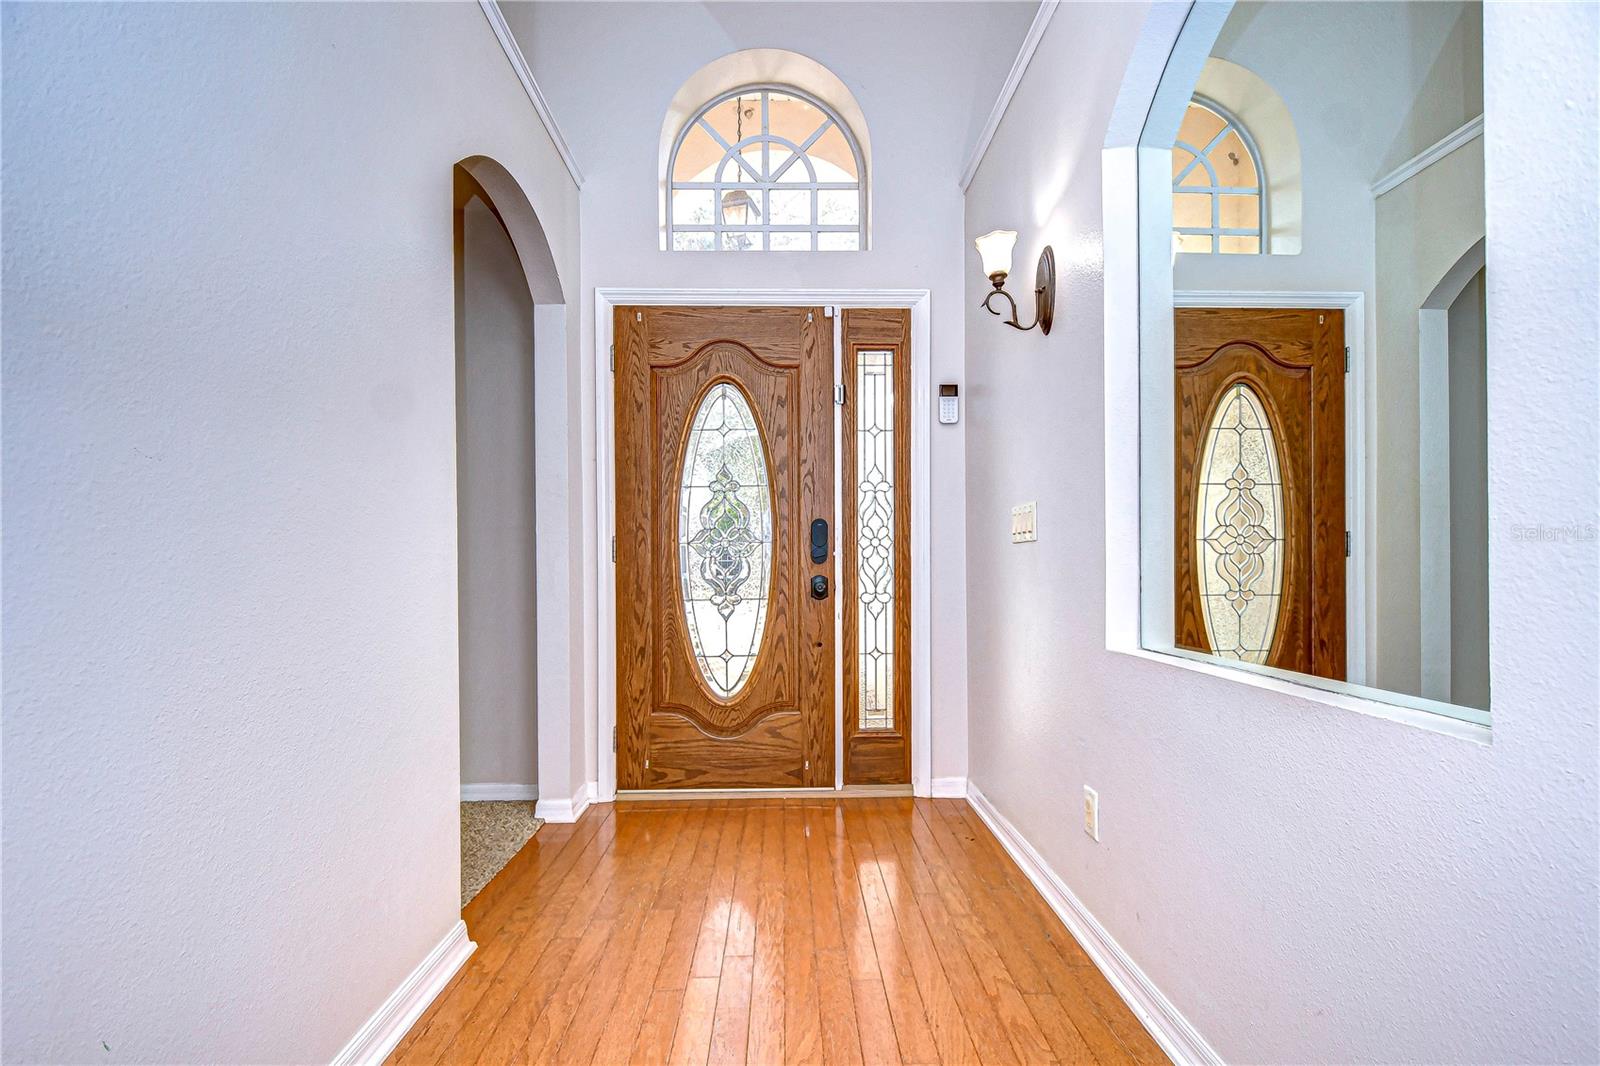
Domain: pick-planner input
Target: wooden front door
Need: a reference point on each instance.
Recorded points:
(1260, 567)
(725, 608)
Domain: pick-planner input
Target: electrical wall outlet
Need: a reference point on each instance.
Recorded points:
(1091, 812)
(1024, 523)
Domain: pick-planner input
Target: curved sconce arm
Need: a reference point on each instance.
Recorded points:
(1013, 322)
(1044, 296)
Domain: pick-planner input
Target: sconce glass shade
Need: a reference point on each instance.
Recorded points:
(995, 249)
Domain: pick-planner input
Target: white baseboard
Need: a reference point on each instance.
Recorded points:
(1178, 1038)
(374, 1040)
(567, 810)
(949, 788)
(498, 791)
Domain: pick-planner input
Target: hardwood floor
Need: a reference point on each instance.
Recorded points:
(768, 931)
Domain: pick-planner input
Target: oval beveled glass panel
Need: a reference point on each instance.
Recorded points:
(724, 538)
(1239, 528)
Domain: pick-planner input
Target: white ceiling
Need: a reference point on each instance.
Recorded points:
(606, 68)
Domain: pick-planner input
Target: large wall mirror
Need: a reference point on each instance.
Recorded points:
(1314, 356)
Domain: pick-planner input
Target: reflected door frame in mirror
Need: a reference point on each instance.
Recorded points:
(1174, 46)
(1259, 539)
(1359, 570)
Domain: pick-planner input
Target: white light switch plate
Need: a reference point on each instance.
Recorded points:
(1091, 812)
(1024, 523)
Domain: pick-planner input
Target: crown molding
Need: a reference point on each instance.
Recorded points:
(1019, 67)
(519, 65)
(1428, 156)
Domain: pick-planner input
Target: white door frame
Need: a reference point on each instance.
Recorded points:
(918, 301)
(1359, 570)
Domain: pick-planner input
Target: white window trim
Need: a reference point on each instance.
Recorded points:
(919, 301)
(1215, 231)
(815, 228)
(1137, 178)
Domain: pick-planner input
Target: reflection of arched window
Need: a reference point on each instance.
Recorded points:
(1217, 183)
(766, 167)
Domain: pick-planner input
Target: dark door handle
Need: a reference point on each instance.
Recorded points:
(819, 587)
(819, 543)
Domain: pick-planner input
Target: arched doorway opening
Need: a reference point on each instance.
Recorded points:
(1453, 480)
(510, 338)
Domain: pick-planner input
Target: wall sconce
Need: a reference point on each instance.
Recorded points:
(995, 250)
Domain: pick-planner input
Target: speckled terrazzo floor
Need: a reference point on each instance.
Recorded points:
(491, 833)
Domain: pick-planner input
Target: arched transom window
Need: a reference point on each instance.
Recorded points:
(766, 168)
(1217, 181)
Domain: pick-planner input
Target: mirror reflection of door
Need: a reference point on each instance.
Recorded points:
(1260, 537)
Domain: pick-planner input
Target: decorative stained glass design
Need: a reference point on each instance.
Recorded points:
(1239, 534)
(766, 169)
(725, 538)
(875, 457)
(1217, 201)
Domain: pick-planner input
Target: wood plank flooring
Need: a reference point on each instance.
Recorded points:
(851, 931)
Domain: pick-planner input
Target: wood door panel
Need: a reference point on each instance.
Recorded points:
(1329, 612)
(682, 755)
(1292, 361)
(677, 333)
(776, 727)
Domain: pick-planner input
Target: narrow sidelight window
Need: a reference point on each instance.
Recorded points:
(875, 541)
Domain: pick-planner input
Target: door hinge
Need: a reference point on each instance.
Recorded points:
(827, 312)
(808, 764)
(613, 358)
(1347, 544)
(613, 549)
(613, 739)
(809, 318)
(838, 394)
(1347, 359)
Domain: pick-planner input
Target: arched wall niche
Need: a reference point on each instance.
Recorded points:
(483, 177)
(1262, 111)
(558, 577)
(758, 66)
(1455, 279)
